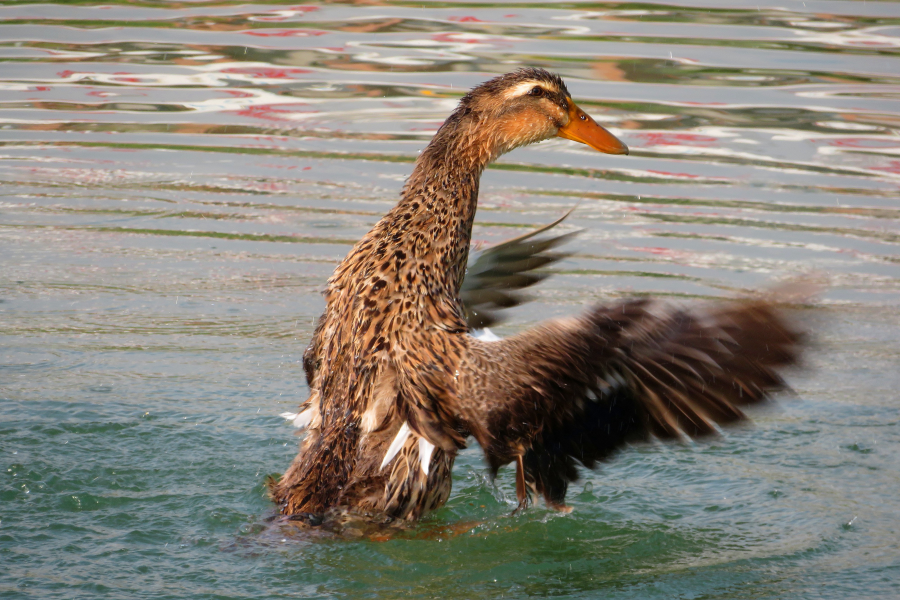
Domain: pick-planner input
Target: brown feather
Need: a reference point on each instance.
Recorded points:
(649, 381)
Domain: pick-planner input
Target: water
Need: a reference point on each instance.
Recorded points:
(179, 179)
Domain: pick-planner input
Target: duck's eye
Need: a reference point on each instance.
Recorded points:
(536, 91)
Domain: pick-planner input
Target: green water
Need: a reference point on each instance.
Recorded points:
(178, 180)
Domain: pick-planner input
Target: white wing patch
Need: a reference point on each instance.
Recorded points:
(425, 450)
(486, 335)
(299, 420)
(395, 446)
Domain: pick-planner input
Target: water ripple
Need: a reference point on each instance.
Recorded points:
(179, 180)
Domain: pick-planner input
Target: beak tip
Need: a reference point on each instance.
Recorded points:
(583, 129)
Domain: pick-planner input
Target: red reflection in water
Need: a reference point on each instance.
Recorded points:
(126, 77)
(266, 72)
(302, 8)
(677, 139)
(671, 174)
(285, 32)
(270, 112)
(892, 167)
(860, 142)
(237, 93)
(455, 38)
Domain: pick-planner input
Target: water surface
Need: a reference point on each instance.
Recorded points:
(179, 179)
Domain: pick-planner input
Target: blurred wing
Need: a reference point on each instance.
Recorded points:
(573, 391)
(497, 273)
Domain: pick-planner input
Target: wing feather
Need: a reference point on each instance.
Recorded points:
(574, 391)
(495, 276)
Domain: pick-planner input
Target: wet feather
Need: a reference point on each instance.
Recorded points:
(399, 385)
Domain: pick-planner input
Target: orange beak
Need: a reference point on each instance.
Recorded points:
(582, 128)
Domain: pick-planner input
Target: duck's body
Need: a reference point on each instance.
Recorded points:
(398, 384)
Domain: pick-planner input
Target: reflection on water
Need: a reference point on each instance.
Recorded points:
(179, 179)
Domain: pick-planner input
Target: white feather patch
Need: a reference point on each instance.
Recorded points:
(425, 450)
(299, 420)
(486, 335)
(395, 446)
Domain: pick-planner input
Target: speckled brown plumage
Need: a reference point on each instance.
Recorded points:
(392, 367)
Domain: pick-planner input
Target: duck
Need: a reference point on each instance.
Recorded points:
(398, 386)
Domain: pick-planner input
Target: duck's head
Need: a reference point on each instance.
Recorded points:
(527, 106)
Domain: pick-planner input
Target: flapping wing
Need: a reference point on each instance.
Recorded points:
(573, 391)
(496, 274)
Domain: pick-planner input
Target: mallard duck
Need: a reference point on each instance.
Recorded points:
(398, 385)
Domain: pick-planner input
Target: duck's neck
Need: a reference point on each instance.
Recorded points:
(437, 205)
